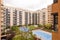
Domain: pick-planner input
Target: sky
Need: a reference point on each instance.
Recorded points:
(28, 4)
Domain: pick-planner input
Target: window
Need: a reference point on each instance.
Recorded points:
(15, 11)
(55, 22)
(26, 18)
(20, 12)
(7, 11)
(55, 1)
(56, 19)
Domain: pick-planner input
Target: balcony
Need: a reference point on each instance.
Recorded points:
(55, 22)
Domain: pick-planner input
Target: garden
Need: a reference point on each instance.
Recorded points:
(26, 34)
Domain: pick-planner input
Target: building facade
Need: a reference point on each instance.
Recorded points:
(56, 21)
(50, 17)
(43, 16)
(0, 20)
(17, 16)
(11, 16)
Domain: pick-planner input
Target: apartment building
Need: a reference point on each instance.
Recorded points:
(13, 16)
(35, 18)
(50, 17)
(56, 21)
(1, 18)
(40, 16)
(43, 16)
(18, 16)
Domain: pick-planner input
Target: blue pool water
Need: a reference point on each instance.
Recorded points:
(24, 29)
(43, 35)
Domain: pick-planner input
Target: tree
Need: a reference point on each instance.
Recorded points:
(24, 36)
(15, 29)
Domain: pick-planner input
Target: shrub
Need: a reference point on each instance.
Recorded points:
(14, 28)
(40, 25)
(17, 38)
(48, 26)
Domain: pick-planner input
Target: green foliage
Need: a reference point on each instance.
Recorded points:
(24, 36)
(48, 26)
(17, 38)
(31, 27)
(15, 29)
(40, 25)
(21, 35)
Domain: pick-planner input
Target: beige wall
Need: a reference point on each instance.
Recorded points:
(11, 16)
(50, 17)
(44, 10)
(23, 18)
(0, 19)
(39, 13)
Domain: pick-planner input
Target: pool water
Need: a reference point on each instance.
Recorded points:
(43, 35)
(24, 29)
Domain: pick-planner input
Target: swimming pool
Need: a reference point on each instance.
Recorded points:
(42, 34)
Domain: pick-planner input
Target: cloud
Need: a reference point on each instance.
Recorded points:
(29, 4)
